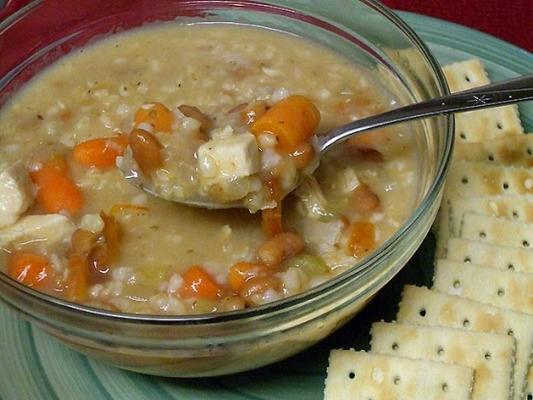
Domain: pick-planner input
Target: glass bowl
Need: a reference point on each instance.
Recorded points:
(207, 345)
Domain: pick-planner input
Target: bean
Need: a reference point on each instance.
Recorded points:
(253, 289)
(146, 150)
(364, 199)
(195, 113)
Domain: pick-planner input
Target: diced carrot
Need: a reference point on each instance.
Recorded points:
(364, 200)
(293, 121)
(128, 208)
(198, 283)
(280, 248)
(56, 191)
(155, 114)
(271, 217)
(100, 153)
(362, 239)
(243, 271)
(111, 235)
(31, 269)
(77, 284)
(253, 111)
(303, 155)
(146, 150)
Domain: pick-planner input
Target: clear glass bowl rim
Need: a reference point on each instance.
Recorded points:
(304, 297)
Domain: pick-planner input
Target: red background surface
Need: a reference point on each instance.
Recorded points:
(510, 20)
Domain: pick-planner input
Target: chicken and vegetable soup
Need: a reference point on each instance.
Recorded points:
(225, 113)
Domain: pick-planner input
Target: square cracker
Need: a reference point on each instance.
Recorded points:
(517, 208)
(464, 75)
(490, 355)
(357, 375)
(499, 231)
(506, 289)
(419, 305)
(472, 178)
(490, 255)
(480, 125)
(517, 151)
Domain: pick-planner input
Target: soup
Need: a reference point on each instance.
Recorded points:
(157, 101)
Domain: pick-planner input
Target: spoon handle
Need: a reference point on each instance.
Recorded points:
(511, 91)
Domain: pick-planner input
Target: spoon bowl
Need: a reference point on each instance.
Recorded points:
(496, 94)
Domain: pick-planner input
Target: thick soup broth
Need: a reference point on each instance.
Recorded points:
(101, 241)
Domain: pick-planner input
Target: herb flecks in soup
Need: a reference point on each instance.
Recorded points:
(233, 121)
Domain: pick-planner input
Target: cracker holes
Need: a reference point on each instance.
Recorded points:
(482, 234)
(499, 125)
(466, 322)
(515, 214)
(487, 355)
(396, 380)
(529, 151)
(395, 346)
(467, 260)
(530, 396)
(440, 351)
(500, 292)
(456, 284)
(510, 332)
(525, 243)
(491, 157)
(422, 312)
(464, 180)
(444, 387)
(510, 267)
(505, 186)
(351, 375)
(467, 78)
(462, 135)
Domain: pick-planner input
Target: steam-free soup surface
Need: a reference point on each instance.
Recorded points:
(72, 226)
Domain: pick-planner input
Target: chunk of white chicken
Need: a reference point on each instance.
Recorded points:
(50, 229)
(226, 166)
(16, 193)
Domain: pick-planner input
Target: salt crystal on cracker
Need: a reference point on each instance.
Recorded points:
(490, 255)
(506, 289)
(422, 306)
(357, 375)
(490, 355)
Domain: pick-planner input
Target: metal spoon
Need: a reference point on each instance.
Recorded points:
(496, 94)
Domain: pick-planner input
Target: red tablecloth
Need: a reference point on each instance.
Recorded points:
(510, 20)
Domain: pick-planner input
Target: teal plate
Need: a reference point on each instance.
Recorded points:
(34, 365)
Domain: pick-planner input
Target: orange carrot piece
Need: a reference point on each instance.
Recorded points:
(100, 153)
(271, 217)
(198, 283)
(303, 155)
(146, 150)
(111, 234)
(31, 269)
(77, 284)
(56, 191)
(293, 121)
(243, 271)
(362, 239)
(128, 208)
(155, 114)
